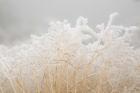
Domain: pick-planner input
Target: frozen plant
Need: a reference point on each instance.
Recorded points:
(73, 60)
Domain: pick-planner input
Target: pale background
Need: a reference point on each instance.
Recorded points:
(20, 18)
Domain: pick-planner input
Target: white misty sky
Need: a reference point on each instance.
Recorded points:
(20, 18)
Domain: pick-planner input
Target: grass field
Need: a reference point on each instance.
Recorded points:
(73, 60)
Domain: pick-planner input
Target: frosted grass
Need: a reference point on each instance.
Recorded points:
(73, 60)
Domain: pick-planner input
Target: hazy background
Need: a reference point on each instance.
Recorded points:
(20, 18)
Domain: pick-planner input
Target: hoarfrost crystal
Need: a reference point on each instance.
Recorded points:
(73, 60)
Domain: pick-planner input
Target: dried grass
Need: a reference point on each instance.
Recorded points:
(60, 62)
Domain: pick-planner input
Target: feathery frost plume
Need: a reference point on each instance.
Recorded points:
(73, 60)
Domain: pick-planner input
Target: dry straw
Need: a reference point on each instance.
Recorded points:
(73, 60)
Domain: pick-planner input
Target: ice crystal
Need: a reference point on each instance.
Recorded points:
(73, 60)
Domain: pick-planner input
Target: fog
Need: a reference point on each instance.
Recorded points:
(69, 59)
(21, 18)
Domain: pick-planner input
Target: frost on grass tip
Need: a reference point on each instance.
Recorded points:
(73, 60)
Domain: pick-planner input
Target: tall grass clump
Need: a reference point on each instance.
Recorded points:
(73, 60)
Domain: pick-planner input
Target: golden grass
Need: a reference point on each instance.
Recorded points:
(58, 62)
(66, 76)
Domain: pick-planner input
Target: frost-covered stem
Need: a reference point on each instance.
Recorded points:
(111, 18)
(5, 73)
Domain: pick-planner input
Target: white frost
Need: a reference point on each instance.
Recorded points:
(108, 50)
